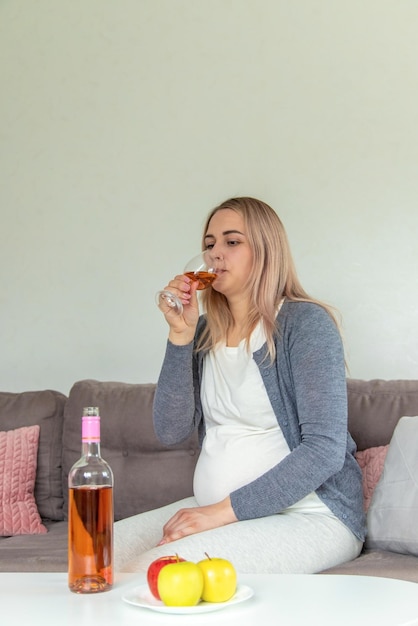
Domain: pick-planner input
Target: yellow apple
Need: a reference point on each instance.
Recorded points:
(180, 584)
(219, 579)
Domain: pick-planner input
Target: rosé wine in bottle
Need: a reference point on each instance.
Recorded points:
(90, 514)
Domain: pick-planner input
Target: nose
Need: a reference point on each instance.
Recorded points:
(216, 253)
(214, 258)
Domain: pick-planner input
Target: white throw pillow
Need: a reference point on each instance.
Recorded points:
(392, 518)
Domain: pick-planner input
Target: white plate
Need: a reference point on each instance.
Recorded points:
(142, 596)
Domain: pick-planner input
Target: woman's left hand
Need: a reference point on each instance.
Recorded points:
(189, 521)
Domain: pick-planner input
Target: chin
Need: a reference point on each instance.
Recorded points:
(217, 288)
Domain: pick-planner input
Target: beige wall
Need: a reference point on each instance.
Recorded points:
(123, 122)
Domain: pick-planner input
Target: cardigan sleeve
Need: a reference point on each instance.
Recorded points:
(174, 407)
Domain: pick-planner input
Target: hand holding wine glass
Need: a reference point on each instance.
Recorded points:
(200, 268)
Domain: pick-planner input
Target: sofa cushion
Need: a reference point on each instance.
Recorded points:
(18, 512)
(375, 406)
(36, 553)
(379, 563)
(45, 408)
(146, 473)
(371, 463)
(393, 512)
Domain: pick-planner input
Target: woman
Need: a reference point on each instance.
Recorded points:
(261, 375)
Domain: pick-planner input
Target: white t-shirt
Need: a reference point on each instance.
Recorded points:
(243, 438)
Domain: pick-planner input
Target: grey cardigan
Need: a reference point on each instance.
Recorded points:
(307, 388)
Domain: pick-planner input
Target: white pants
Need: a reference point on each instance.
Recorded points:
(288, 543)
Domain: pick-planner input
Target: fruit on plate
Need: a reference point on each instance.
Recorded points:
(219, 579)
(154, 571)
(180, 584)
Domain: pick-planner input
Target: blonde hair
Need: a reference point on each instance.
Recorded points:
(272, 278)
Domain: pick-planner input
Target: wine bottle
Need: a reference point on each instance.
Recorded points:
(90, 514)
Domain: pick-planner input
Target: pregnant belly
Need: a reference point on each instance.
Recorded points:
(233, 457)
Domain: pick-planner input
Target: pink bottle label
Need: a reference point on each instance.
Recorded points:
(90, 430)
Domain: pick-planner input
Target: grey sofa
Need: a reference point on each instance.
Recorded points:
(148, 474)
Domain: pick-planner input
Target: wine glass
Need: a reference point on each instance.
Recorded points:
(202, 268)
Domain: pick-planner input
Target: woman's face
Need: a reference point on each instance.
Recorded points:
(226, 238)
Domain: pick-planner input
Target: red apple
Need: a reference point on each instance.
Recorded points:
(154, 569)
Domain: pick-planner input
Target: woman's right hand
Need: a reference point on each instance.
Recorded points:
(183, 325)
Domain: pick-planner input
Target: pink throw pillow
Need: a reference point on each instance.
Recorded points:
(371, 462)
(18, 459)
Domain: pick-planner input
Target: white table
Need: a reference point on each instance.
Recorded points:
(285, 600)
